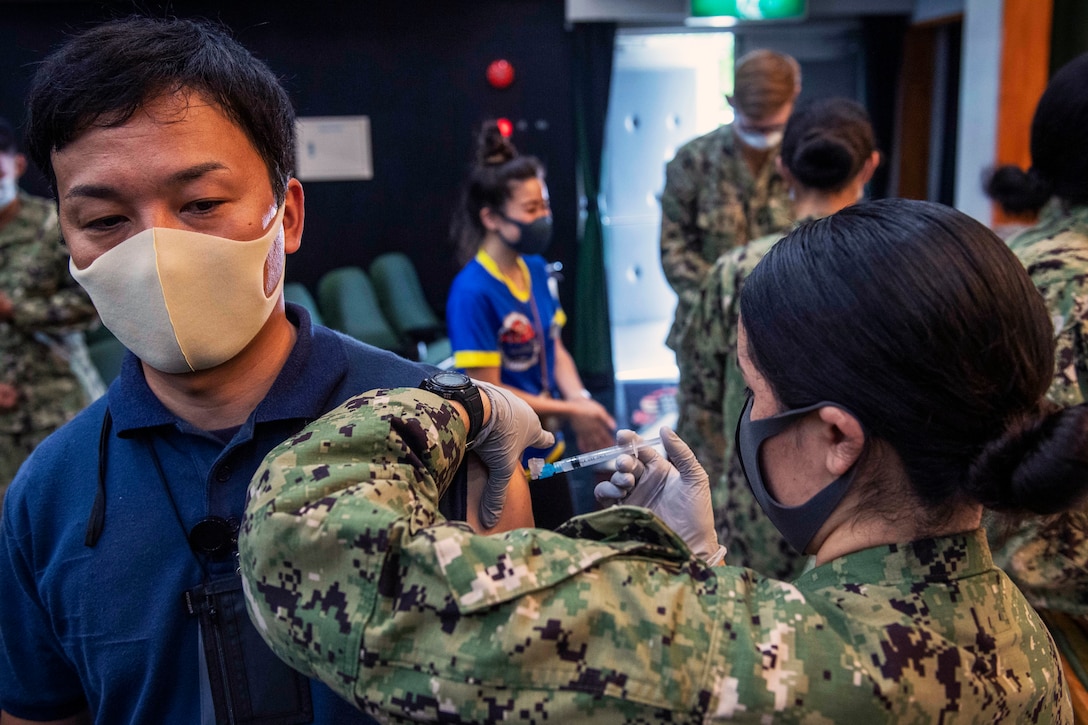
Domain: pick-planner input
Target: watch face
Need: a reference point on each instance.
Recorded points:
(451, 379)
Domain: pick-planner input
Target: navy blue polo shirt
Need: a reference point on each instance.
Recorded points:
(105, 627)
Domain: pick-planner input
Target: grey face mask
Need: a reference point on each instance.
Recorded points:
(797, 524)
(535, 236)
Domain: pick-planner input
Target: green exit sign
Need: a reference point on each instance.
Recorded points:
(749, 9)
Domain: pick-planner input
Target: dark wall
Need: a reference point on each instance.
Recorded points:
(1069, 32)
(415, 67)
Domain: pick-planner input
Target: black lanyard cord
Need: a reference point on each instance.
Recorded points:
(98, 509)
(212, 536)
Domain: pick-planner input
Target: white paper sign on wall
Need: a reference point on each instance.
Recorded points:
(334, 148)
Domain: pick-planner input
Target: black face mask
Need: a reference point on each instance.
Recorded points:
(797, 524)
(535, 236)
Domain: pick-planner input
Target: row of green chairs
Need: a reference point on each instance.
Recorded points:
(383, 306)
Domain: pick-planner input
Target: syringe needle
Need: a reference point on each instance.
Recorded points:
(538, 468)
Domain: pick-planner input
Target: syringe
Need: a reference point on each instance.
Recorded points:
(539, 469)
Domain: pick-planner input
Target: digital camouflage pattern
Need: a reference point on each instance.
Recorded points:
(1055, 253)
(711, 203)
(37, 345)
(1048, 559)
(353, 577)
(713, 393)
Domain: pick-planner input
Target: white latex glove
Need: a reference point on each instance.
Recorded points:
(678, 492)
(512, 427)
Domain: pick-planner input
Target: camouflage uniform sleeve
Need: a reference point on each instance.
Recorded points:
(702, 360)
(1055, 253)
(1068, 302)
(48, 299)
(704, 352)
(681, 248)
(353, 577)
(1080, 342)
(1047, 558)
(367, 473)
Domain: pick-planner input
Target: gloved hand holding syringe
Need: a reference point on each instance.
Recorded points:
(538, 468)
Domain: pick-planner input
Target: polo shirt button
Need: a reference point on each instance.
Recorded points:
(222, 474)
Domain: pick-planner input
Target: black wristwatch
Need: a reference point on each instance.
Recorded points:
(457, 386)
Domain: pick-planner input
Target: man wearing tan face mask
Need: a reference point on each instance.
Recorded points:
(171, 151)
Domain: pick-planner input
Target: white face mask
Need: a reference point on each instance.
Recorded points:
(182, 301)
(759, 141)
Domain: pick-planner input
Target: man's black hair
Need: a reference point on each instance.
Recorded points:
(102, 76)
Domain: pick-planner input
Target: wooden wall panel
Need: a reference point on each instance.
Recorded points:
(1025, 66)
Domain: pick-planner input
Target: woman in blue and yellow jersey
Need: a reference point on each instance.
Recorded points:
(503, 311)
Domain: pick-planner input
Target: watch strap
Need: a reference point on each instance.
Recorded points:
(468, 395)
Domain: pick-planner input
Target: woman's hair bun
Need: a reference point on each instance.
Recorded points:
(822, 160)
(1015, 190)
(492, 147)
(827, 142)
(1039, 465)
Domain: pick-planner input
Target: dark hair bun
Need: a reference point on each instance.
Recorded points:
(1039, 465)
(827, 142)
(493, 148)
(1016, 190)
(822, 161)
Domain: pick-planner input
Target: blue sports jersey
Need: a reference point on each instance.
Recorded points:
(493, 324)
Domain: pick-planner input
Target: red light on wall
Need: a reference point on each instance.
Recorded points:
(500, 73)
(505, 127)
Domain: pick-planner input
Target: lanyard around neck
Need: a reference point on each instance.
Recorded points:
(211, 537)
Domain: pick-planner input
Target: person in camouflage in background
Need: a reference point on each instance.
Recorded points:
(1049, 560)
(828, 155)
(722, 188)
(721, 191)
(42, 311)
(353, 577)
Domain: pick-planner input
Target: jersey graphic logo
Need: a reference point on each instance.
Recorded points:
(518, 343)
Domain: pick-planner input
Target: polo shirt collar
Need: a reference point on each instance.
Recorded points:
(312, 372)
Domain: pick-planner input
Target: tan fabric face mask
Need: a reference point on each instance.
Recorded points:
(182, 301)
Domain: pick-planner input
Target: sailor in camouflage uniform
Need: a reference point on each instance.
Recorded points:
(828, 155)
(1049, 560)
(42, 311)
(721, 191)
(1055, 252)
(353, 577)
(711, 204)
(711, 380)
